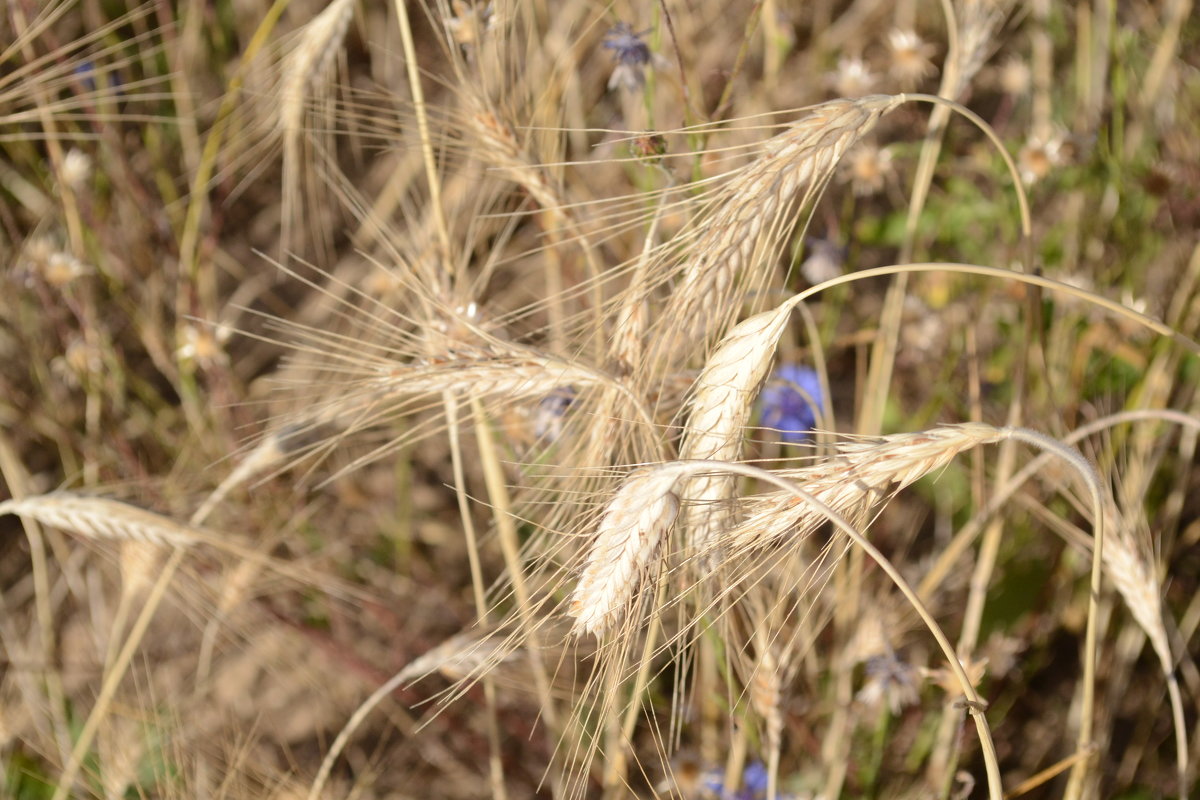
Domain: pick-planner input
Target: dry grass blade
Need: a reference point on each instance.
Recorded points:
(630, 533)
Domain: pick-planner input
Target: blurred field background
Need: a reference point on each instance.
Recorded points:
(390, 280)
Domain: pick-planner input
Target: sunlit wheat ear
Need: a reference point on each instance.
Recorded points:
(1131, 570)
(305, 73)
(734, 245)
(101, 518)
(765, 693)
(372, 401)
(719, 410)
(499, 147)
(854, 481)
(627, 541)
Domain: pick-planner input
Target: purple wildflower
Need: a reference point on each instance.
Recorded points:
(787, 402)
(632, 55)
(754, 780)
(551, 411)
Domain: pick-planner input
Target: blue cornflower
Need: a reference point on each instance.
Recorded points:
(551, 411)
(786, 402)
(754, 780)
(632, 56)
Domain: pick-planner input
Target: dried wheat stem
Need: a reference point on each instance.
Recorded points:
(631, 531)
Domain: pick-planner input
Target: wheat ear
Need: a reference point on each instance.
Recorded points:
(631, 531)
(304, 70)
(852, 482)
(721, 401)
(1131, 570)
(751, 215)
(101, 518)
(309, 62)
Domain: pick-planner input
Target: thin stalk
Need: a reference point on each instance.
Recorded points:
(113, 677)
(495, 762)
(510, 547)
(418, 95)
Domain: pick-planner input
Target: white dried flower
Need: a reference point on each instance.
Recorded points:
(1015, 77)
(911, 56)
(1039, 156)
(868, 168)
(76, 168)
(853, 78)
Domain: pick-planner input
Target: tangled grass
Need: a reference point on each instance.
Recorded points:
(382, 399)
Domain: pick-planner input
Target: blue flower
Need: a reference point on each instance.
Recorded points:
(551, 410)
(754, 778)
(786, 402)
(632, 56)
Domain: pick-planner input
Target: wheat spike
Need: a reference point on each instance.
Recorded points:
(720, 406)
(310, 61)
(751, 216)
(631, 531)
(854, 481)
(101, 518)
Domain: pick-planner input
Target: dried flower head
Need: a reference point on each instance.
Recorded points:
(826, 260)
(911, 56)
(1015, 77)
(204, 345)
(890, 681)
(868, 168)
(470, 22)
(1039, 156)
(43, 259)
(76, 168)
(787, 402)
(853, 78)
